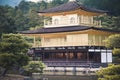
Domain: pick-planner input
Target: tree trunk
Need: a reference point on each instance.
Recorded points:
(3, 72)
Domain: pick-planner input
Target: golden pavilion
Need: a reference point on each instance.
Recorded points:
(72, 37)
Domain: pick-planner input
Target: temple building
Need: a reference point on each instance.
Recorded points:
(72, 38)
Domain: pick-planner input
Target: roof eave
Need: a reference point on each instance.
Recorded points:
(47, 30)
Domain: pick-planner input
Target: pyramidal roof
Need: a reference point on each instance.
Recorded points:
(70, 6)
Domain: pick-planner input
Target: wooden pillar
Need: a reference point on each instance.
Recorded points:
(66, 54)
(88, 57)
(75, 55)
(34, 42)
(42, 56)
(92, 21)
(44, 22)
(100, 23)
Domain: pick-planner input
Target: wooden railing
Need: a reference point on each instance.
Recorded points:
(49, 23)
(73, 64)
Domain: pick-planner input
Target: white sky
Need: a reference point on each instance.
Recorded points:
(33, 0)
(36, 0)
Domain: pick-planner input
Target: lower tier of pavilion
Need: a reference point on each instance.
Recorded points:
(73, 56)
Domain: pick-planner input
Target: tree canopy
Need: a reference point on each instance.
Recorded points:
(112, 20)
(112, 6)
(6, 20)
(13, 43)
(109, 73)
(113, 41)
(12, 52)
(24, 16)
(34, 67)
(112, 72)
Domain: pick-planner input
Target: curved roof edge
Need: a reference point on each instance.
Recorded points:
(69, 7)
(65, 29)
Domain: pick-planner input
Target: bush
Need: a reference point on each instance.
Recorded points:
(109, 73)
(34, 67)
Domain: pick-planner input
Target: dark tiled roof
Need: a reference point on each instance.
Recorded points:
(69, 7)
(64, 29)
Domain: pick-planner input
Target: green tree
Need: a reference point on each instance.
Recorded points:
(6, 19)
(12, 62)
(21, 22)
(27, 17)
(24, 16)
(6, 61)
(110, 22)
(34, 19)
(112, 6)
(109, 73)
(58, 2)
(34, 67)
(113, 10)
(113, 42)
(24, 6)
(13, 43)
(43, 5)
(12, 52)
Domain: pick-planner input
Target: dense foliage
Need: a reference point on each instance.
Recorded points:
(110, 73)
(34, 67)
(112, 6)
(12, 52)
(112, 20)
(6, 20)
(24, 16)
(13, 43)
(113, 42)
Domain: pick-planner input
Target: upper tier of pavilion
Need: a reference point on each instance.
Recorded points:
(71, 8)
(70, 14)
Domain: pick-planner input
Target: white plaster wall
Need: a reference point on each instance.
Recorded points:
(64, 20)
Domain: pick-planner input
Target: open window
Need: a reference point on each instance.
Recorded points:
(56, 21)
(72, 20)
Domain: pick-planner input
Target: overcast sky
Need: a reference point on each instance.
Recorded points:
(33, 0)
(36, 0)
(14, 2)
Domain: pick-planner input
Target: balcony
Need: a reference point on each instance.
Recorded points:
(50, 23)
(73, 64)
